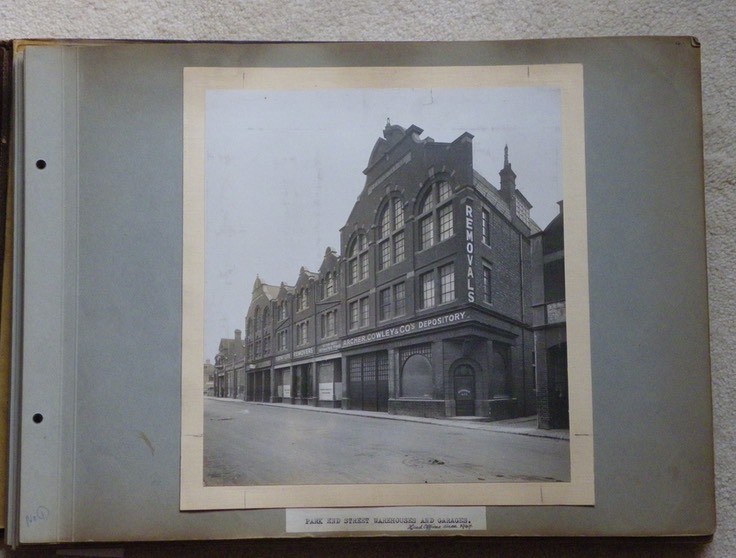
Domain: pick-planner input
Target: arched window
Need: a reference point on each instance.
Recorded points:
(358, 259)
(329, 285)
(416, 377)
(266, 315)
(391, 235)
(256, 320)
(435, 217)
(332, 283)
(302, 299)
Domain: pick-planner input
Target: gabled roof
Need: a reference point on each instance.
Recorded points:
(259, 287)
(329, 262)
(305, 275)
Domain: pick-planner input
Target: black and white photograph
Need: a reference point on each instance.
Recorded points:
(384, 297)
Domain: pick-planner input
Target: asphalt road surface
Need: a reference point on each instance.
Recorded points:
(251, 444)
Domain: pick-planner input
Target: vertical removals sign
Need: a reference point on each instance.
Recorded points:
(469, 248)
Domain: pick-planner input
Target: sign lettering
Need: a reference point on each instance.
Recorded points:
(469, 249)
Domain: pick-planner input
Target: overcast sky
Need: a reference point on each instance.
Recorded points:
(284, 169)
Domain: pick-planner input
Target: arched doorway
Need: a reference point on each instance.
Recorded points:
(464, 385)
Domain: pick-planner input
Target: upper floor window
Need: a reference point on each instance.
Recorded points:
(391, 233)
(444, 192)
(328, 324)
(435, 215)
(301, 333)
(266, 316)
(392, 301)
(486, 226)
(302, 299)
(282, 339)
(447, 283)
(487, 283)
(359, 313)
(437, 287)
(282, 310)
(329, 285)
(358, 259)
(426, 290)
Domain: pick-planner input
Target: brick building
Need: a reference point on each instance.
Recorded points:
(550, 332)
(230, 367)
(208, 371)
(427, 310)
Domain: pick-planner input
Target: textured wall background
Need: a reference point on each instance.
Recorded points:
(377, 20)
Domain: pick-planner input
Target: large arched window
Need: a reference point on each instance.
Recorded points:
(435, 220)
(391, 236)
(358, 259)
(266, 315)
(416, 377)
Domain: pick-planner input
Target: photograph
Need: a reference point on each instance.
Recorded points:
(383, 286)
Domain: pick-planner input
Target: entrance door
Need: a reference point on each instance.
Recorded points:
(464, 391)
(368, 382)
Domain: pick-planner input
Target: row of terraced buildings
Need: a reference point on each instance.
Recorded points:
(445, 299)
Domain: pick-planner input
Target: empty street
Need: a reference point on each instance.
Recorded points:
(254, 444)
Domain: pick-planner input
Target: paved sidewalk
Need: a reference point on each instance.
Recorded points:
(525, 426)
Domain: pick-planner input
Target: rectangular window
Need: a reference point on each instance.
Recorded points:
(327, 324)
(447, 283)
(487, 284)
(426, 232)
(328, 286)
(353, 271)
(384, 254)
(364, 310)
(398, 214)
(267, 345)
(385, 226)
(282, 340)
(426, 290)
(331, 323)
(445, 218)
(399, 247)
(363, 265)
(399, 299)
(486, 226)
(384, 304)
(301, 333)
(353, 314)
